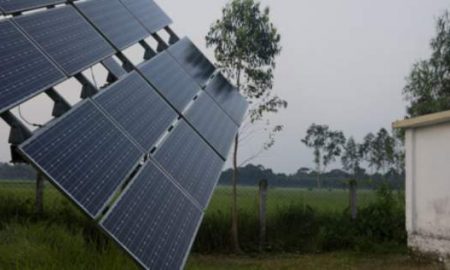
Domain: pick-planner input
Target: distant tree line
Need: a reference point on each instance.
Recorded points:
(250, 175)
(16, 172)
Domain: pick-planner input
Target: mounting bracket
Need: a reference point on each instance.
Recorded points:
(149, 52)
(18, 134)
(61, 106)
(88, 89)
(173, 37)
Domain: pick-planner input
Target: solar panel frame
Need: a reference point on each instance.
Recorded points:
(144, 10)
(227, 97)
(27, 5)
(93, 212)
(30, 60)
(151, 179)
(53, 31)
(216, 126)
(170, 79)
(114, 21)
(192, 60)
(145, 116)
(188, 159)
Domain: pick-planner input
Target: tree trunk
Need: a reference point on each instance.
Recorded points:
(353, 199)
(39, 203)
(234, 208)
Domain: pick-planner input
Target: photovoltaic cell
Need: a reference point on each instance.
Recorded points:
(151, 16)
(170, 79)
(136, 106)
(85, 155)
(212, 123)
(191, 162)
(13, 6)
(154, 221)
(114, 21)
(228, 98)
(24, 70)
(67, 37)
(192, 60)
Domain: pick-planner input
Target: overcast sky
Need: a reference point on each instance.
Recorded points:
(343, 64)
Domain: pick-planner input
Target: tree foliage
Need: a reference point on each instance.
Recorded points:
(351, 157)
(326, 144)
(246, 44)
(428, 84)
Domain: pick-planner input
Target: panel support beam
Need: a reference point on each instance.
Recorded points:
(61, 106)
(88, 89)
(18, 134)
(173, 37)
(149, 52)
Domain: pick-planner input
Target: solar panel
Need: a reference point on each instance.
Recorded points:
(13, 6)
(192, 60)
(67, 37)
(85, 155)
(154, 221)
(24, 70)
(151, 16)
(170, 79)
(191, 162)
(136, 106)
(215, 126)
(228, 98)
(114, 21)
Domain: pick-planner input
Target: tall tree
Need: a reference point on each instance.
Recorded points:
(428, 84)
(246, 44)
(351, 162)
(380, 151)
(327, 145)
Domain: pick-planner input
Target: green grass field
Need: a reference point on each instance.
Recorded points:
(65, 239)
(323, 200)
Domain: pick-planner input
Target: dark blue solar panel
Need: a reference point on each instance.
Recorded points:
(151, 16)
(170, 79)
(24, 70)
(213, 124)
(191, 162)
(154, 221)
(114, 21)
(85, 155)
(67, 37)
(13, 6)
(136, 106)
(192, 60)
(228, 98)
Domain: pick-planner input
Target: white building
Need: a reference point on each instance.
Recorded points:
(428, 182)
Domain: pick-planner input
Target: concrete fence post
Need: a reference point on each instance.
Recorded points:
(262, 199)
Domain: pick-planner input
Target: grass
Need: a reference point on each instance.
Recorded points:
(65, 239)
(331, 261)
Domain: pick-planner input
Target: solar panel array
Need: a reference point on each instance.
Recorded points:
(15, 6)
(19, 56)
(66, 37)
(141, 155)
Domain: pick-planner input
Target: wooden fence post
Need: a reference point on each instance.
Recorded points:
(263, 184)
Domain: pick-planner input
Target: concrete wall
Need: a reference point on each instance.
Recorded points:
(428, 188)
